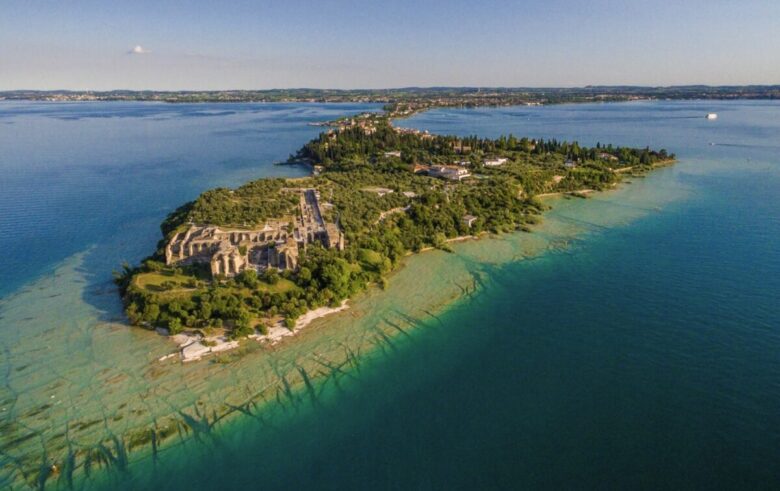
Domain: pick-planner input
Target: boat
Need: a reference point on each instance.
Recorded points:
(712, 116)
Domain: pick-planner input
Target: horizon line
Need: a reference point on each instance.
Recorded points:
(416, 87)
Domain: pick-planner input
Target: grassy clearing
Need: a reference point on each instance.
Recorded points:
(283, 285)
(162, 281)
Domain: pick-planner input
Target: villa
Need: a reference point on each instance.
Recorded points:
(453, 173)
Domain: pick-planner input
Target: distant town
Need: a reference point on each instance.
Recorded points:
(415, 96)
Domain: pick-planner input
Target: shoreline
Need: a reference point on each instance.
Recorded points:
(273, 338)
(577, 193)
(194, 347)
(151, 441)
(277, 333)
(263, 400)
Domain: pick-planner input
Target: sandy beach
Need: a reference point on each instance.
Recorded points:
(193, 346)
(279, 331)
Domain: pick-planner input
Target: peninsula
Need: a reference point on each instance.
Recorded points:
(255, 260)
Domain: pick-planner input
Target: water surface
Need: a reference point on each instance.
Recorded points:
(630, 342)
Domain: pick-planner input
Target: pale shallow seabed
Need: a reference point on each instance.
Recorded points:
(76, 384)
(85, 382)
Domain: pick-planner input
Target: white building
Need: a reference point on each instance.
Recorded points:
(449, 172)
(495, 162)
(469, 220)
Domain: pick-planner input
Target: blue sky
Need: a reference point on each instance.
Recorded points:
(50, 44)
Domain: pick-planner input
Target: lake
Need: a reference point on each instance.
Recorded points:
(631, 341)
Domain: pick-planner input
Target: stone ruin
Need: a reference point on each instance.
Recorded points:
(229, 251)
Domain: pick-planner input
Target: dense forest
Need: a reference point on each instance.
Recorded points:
(376, 189)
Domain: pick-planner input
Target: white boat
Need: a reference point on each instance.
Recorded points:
(712, 116)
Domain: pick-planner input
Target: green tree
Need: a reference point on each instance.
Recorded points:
(151, 312)
(248, 277)
(174, 326)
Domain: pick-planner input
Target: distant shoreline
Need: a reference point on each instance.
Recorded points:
(442, 96)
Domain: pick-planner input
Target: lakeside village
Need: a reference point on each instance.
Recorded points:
(261, 261)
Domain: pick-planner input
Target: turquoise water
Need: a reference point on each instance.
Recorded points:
(631, 342)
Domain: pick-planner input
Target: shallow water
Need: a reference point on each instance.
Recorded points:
(631, 341)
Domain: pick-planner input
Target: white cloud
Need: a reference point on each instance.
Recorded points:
(138, 50)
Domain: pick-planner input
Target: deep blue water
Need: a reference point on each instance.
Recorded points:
(77, 175)
(643, 355)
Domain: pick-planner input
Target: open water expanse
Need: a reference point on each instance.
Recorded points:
(631, 342)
